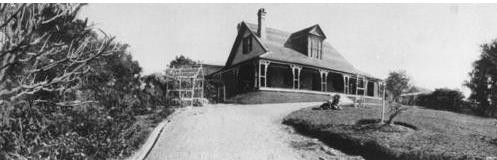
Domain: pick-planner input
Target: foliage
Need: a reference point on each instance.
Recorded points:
(115, 81)
(443, 99)
(66, 92)
(181, 61)
(483, 80)
(211, 92)
(155, 90)
(162, 114)
(45, 49)
(396, 84)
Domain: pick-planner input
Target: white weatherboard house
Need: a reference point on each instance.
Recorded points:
(265, 59)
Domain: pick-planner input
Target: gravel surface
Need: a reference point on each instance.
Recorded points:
(238, 132)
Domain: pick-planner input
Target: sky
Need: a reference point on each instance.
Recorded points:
(435, 44)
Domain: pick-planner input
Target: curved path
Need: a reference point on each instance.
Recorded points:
(228, 131)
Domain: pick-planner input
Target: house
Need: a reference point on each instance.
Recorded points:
(267, 60)
(208, 69)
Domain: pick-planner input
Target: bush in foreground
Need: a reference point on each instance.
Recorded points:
(65, 91)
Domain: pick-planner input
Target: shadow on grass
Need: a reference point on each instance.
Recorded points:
(346, 144)
(356, 145)
(372, 123)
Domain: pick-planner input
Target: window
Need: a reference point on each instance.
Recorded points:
(316, 47)
(247, 44)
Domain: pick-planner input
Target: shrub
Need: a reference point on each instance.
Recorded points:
(211, 92)
(159, 116)
(65, 92)
(443, 99)
(155, 90)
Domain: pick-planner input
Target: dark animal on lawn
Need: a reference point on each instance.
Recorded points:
(330, 104)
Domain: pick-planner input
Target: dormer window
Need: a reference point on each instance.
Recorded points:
(315, 47)
(308, 41)
(247, 44)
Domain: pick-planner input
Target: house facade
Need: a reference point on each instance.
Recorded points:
(268, 59)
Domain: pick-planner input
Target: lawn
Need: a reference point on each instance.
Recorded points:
(430, 134)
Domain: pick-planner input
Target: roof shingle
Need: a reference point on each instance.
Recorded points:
(276, 39)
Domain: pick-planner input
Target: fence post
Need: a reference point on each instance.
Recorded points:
(383, 104)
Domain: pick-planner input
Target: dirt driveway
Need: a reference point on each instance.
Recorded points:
(238, 132)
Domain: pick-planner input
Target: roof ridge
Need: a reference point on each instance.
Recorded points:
(267, 28)
(305, 29)
(276, 39)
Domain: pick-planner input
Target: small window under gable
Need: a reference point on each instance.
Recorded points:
(247, 44)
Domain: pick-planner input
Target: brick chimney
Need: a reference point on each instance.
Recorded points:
(261, 26)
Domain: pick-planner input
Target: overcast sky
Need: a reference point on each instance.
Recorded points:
(435, 43)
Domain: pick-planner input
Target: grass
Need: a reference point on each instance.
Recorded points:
(428, 134)
(264, 97)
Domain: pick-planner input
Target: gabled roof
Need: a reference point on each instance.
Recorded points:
(242, 26)
(315, 30)
(276, 50)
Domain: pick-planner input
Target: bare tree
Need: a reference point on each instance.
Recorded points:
(42, 48)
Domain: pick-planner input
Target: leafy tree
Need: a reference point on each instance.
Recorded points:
(181, 61)
(483, 80)
(155, 87)
(66, 92)
(396, 84)
(114, 79)
(45, 50)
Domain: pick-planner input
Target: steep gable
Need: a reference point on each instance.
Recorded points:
(316, 30)
(240, 54)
